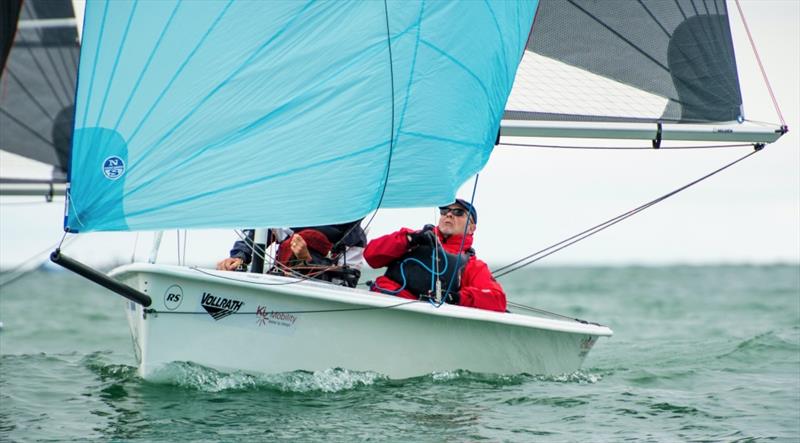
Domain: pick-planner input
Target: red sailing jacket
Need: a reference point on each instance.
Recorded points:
(315, 241)
(478, 288)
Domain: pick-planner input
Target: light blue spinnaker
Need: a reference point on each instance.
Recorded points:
(231, 114)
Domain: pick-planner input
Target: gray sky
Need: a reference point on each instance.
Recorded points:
(529, 198)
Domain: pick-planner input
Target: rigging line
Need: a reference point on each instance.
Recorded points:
(264, 255)
(580, 237)
(391, 132)
(299, 278)
(760, 65)
(63, 237)
(280, 266)
(597, 228)
(542, 311)
(178, 239)
(135, 244)
(621, 148)
(463, 239)
(760, 122)
(261, 253)
(70, 203)
(311, 311)
(20, 272)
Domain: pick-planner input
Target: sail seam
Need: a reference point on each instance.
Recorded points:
(116, 64)
(94, 71)
(36, 60)
(176, 75)
(146, 67)
(392, 103)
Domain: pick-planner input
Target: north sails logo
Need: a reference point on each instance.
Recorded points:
(218, 307)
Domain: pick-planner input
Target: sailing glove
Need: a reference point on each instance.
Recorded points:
(426, 236)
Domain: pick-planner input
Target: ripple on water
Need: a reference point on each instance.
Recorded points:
(580, 377)
(766, 344)
(193, 376)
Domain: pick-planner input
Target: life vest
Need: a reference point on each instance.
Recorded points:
(416, 278)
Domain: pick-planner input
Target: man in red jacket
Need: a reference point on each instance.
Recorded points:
(437, 260)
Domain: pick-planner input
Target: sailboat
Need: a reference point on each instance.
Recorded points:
(229, 114)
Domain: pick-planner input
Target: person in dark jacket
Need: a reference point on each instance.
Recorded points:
(437, 261)
(306, 250)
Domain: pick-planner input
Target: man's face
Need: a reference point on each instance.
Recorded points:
(450, 223)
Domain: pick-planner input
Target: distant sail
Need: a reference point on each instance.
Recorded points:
(622, 60)
(37, 83)
(231, 114)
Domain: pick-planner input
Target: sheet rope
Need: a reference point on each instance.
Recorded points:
(542, 253)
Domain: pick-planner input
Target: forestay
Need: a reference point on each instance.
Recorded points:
(231, 114)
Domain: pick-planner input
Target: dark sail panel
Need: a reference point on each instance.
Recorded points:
(37, 85)
(624, 60)
(9, 14)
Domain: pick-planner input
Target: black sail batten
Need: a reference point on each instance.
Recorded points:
(678, 56)
(38, 82)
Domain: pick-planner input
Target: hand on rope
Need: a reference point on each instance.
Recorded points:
(300, 248)
(230, 264)
(423, 237)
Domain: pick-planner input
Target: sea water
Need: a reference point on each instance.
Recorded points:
(700, 353)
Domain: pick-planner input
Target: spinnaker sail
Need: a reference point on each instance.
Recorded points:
(318, 112)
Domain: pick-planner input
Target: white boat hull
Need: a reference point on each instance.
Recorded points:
(265, 325)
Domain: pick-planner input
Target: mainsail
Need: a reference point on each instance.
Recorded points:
(230, 114)
(600, 69)
(40, 48)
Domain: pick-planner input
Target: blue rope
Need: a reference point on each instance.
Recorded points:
(403, 274)
(463, 239)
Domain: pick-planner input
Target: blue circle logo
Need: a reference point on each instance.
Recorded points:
(113, 167)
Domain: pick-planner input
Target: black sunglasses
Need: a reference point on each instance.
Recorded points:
(457, 212)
